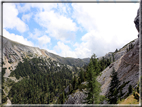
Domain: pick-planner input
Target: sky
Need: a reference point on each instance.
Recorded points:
(76, 30)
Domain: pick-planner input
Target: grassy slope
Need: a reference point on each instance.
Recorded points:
(129, 100)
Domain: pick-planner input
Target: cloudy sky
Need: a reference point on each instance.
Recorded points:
(71, 29)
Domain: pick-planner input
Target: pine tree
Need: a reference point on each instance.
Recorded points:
(63, 97)
(116, 50)
(82, 75)
(93, 86)
(75, 82)
(49, 98)
(70, 88)
(113, 57)
(130, 89)
(113, 92)
(110, 60)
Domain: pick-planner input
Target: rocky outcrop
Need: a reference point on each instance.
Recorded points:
(120, 52)
(76, 98)
(105, 78)
(66, 89)
(127, 68)
(126, 65)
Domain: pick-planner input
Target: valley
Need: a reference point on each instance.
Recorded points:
(31, 73)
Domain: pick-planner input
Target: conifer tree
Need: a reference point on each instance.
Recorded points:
(63, 96)
(75, 82)
(93, 86)
(110, 60)
(130, 89)
(113, 57)
(82, 75)
(70, 88)
(116, 50)
(113, 92)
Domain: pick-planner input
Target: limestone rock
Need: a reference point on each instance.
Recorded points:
(76, 98)
(127, 68)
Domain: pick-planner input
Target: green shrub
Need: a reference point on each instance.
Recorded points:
(133, 93)
(82, 86)
(118, 101)
(136, 96)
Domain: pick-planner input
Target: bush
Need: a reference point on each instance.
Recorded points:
(133, 93)
(137, 88)
(136, 96)
(82, 86)
(136, 93)
(3, 63)
(118, 101)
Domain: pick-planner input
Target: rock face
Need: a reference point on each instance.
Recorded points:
(120, 52)
(126, 65)
(66, 89)
(76, 98)
(127, 68)
(105, 78)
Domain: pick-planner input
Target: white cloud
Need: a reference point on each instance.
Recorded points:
(26, 17)
(90, 44)
(97, 44)
(17, 38)
(43, 40)
(41, 6)
(62, 8)
(58, 26)
(64, 50)
(10, 18)
(26, 7)
(44, 6)
(80, 51)
(107, 29)
(35, 34)
(109, 26)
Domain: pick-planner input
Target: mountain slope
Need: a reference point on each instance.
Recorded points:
(14, 52)
(127, 68)
(23, 63)
(126, 64)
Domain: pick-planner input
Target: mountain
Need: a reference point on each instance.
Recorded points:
(125, 62)
(14, 52)
(127, 68)
(24, 64)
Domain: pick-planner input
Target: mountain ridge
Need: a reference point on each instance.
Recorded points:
(14, 51)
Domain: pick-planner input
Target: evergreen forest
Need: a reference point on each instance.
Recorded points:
(43, 81)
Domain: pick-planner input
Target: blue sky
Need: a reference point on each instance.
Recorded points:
(71, 29)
